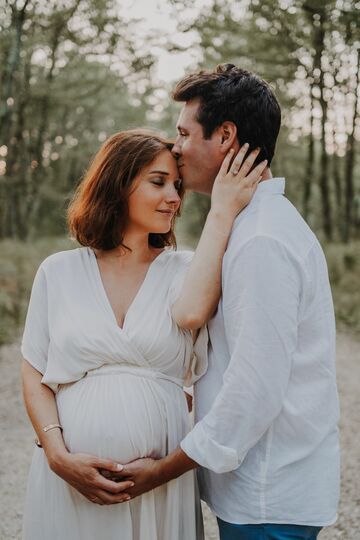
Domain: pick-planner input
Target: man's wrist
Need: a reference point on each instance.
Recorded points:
(174, 465)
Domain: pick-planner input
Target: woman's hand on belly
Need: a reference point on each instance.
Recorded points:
(82, 472)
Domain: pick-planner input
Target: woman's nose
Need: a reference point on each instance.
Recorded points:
(172, 196)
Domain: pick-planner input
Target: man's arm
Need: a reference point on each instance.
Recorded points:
(150, 473)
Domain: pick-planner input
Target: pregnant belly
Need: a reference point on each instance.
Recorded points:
(121, 416)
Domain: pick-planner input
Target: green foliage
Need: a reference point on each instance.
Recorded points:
(19, 263)
(195, 210)
(344, 271)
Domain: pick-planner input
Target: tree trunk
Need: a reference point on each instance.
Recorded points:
(338, 191)
(33, 202)
(11, 68)
(17, 166)
(319, 36)
(310, 162)
(6, 110)
(349, 165)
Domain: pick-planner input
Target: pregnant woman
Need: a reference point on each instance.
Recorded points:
(107, 344)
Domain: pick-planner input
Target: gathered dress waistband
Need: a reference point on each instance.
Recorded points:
(147, 373)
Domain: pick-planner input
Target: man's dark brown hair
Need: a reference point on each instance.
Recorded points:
(229, 93)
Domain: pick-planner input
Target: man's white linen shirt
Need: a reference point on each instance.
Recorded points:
(267, 409)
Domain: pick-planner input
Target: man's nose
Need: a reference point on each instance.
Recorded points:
(176, 150)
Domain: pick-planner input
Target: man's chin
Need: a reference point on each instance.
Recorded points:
(197, 186)
(189, 182)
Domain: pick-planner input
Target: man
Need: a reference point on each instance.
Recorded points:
(266, 411)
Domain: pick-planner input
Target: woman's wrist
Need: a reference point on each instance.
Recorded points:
(57, 459)
(221, 218)
(56, 454)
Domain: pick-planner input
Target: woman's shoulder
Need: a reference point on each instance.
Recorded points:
(61, 259)
(180, 258)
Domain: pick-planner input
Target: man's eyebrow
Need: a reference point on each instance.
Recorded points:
(159, 172)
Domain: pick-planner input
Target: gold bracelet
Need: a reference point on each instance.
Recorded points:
(46, 429)
(52, 426)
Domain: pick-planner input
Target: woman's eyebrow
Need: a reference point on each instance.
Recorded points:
(159, 172)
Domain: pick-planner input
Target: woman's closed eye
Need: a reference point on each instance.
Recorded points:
(158, 181)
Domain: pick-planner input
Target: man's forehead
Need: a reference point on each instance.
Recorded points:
(187, 114)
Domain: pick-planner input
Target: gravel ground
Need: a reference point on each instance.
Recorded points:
(16, 443)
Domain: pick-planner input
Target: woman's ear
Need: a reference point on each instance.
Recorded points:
(228, 139)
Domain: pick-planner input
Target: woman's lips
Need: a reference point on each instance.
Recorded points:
(166, 212)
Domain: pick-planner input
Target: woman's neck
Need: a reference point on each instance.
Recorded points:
(139, 250)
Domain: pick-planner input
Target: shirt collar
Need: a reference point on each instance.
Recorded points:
(274, 185)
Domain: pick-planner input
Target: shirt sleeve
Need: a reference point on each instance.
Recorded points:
(35, 341)
(261, 295)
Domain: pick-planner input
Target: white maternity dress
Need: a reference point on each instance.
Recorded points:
(119, 396)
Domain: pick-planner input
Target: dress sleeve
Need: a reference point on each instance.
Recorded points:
(35, 341)
(182, 261)
(196, 363)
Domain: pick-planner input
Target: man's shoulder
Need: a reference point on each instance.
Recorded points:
(277, 222)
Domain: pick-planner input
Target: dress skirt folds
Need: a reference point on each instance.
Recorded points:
(119, 396)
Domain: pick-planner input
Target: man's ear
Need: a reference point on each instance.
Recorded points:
(227, 135)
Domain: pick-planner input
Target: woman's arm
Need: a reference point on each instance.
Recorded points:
(82, 471)
(232, 191)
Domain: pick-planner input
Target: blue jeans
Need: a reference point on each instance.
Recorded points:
(266, 531)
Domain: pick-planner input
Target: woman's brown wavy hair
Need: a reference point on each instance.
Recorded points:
(98, 212)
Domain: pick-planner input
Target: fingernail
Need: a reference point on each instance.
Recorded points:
(231, 151)
(132, 484)
(246, 145)
(127, 498)
(119, 467)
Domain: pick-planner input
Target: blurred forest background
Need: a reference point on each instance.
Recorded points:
(72, 72)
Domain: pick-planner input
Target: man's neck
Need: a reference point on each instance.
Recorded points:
(266, 175)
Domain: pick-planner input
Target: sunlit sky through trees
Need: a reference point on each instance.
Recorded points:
(159, 16)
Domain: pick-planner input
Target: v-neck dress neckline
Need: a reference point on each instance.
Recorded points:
(104, 294)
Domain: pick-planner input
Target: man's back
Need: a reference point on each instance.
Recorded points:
(271, 382)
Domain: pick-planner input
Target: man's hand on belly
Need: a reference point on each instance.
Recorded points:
(148, 473)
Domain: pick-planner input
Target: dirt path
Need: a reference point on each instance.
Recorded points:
(16, 444)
